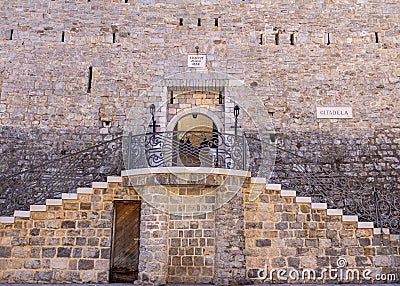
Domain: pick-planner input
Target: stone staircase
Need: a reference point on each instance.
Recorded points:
(59, 202)
(286, 231)
(255, 181)
(333, 212)
(69, 239)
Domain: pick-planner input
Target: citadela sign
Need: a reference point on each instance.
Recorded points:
(335, 112)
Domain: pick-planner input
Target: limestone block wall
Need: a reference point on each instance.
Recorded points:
(191, 247)
(373, 157)
(295, 56)
(66, 240)
(153, 260)
(69, 239)
(67, 67)
(289, 233)
(188, 100)
(230, 249)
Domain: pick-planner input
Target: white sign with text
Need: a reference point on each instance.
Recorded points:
(335, 112)
(197, 61)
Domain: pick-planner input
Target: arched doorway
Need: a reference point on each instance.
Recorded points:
(197, 137)
(196, 122)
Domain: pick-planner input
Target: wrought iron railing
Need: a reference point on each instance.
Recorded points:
(378, 214)
(61, 175)
(321, 181)
(186, 148)
(313, 178)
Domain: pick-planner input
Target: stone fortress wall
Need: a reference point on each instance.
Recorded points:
(48, 49)
(68, 66)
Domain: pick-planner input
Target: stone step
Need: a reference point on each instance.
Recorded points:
(364, 224)
(99, 185)
(254, 180)
(303, 200)
(273, 187)
(330, 212)
(38, 208)
(114, 179)
(349, 218)
(381, 230)
(54, 202)
(334, 212)
(319, 206)
(7, 219)
(22, 213)
(69, 196)
(87, 191)
(288, 194)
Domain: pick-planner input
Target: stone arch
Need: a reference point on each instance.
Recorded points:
(199, 110)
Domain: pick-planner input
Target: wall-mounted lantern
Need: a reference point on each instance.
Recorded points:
(236, 110)
(152, 110)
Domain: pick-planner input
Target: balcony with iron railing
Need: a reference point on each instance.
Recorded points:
(186, 149)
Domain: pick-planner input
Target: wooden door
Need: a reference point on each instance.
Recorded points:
(125, 249)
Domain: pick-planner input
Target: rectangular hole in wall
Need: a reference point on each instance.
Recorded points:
(216, 23)
(261, 39)
(198, 23)
(9, 34)
(328, 38)
(126, 1)
(90, 78)
(63, 37)
(114, 37)
(180, 23)
(376, 37)
(277, 39)
(292, 39)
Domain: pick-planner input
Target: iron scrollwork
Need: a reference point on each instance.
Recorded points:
(325, 184)
(187, 148)
(62, 175)
(196, 148)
